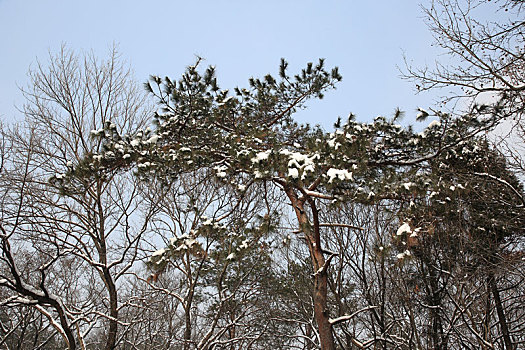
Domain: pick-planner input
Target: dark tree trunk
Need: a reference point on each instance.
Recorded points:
(501, 313)
(113, 311)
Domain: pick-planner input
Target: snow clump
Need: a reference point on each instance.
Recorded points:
(434, 123)
(340, 174)
(405, 228)
(404, 254)
(293, 173)
(261, 156)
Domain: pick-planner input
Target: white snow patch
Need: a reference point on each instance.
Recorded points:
(244, 244)
(261, 156)
(332, 143)
(404, 254)
(340, 174)
(153, 139)
(207, 222)
(97, 132)
(227, 99)
(405, 228)
(159, 252)
(221, 170)
(434, 123)
(293, 172)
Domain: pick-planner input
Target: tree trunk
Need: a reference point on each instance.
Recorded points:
(319, 264)
(501, 313)
(187, 329)
(321, 311)
(187, 306)
(438, 337)
(486, 321)
(113, 311)
(100, 244)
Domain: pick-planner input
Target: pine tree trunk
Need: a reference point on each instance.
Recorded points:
(321, 311)
(320, 292)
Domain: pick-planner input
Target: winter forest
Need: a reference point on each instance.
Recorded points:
(183, 214)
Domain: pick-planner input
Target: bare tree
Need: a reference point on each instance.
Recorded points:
(482, 56)
(88, 238)
(215, 263)
(482, 61)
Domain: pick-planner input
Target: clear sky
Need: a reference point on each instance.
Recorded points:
(242, 38)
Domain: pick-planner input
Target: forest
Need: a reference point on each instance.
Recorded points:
(179, 214)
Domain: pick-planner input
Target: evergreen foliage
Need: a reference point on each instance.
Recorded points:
(241, 141)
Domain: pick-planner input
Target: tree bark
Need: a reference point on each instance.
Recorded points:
(187, 309)
(113, 311)
(319, 264)
(501, 313)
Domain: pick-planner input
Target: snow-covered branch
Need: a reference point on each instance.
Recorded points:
(334, 321)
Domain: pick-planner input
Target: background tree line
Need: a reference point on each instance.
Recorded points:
(221, 223)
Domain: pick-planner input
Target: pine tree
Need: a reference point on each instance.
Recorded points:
(250, 137)
(468, 227)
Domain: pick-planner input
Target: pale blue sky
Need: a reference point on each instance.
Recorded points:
(366, 39)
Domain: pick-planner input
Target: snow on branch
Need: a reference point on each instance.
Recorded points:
(323, 268)
(328, 224)
(318, 195)
(53, 322)
(504, 182)
(349, 317)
